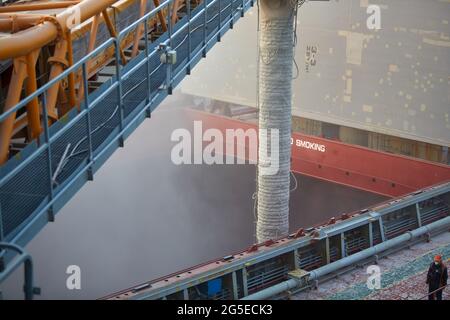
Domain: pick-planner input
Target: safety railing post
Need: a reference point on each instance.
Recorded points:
(234, 285)
(371, 244)
(50, 213)
(147, 63)
(88, 120)
(28, 286)
(418, 216)
(188, 12)
(119, 86)
(327, 250)
(242, 9)
(343, 247)
(382, 231)
(1, 225)
(219, 35)
(22, 257)
(231, 14)
(169, 34)
(205, 26)
(244, 281)
(169, 22)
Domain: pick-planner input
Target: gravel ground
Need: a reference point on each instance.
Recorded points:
(402, 276)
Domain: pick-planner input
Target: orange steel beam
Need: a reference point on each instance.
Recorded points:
(20, 124)
(63, 102)
(33, 114)
(26, 41)
(38, 6)
(58, 62)
(162, 19)
(176, 6)
(93, 34)
(71, 77)
(139, 29)
(91, 46)
(14, 22)
(112, 31)
(13, 97)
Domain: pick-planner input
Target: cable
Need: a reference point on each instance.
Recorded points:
(299, 4)
(65, 159)
(60, 164)
(295, 182)
(433, 292)
(201, 25)
(297, 70)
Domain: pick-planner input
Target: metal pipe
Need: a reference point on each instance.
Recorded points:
(351, 260)
(38, 6)
(10, 23)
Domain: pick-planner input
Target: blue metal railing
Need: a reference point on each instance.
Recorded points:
(22, 258)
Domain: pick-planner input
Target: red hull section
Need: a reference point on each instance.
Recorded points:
(354, 166)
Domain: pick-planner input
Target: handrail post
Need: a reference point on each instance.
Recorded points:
(205, 26)
(418, 215)
(169, 34)
(25, 258)
(169, 23)
(28, 279)
(147, 60)
(231, 14)
(119, 86)
(382, 233)
(149, 80)
(1, 224)
(88, 120)
(50, 213)
(219, 35)
(188, 9)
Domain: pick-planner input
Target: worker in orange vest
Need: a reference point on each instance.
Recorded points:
(436, 278)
